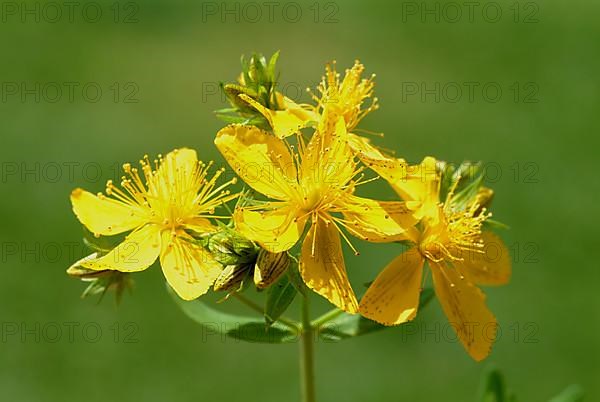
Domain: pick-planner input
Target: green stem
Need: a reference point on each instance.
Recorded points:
(328, 316)
(307, 352)
(285, 321)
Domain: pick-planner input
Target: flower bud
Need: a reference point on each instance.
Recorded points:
(232, 91)
(269, 267)
(230, 248)
(232, 277)
(484, 197)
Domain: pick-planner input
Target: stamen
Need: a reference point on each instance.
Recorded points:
(356, 252)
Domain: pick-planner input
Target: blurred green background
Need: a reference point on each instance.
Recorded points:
(538, 138)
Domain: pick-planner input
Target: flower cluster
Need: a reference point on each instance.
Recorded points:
(305, 164)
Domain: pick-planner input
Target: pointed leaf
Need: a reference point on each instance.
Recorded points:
(279, 297)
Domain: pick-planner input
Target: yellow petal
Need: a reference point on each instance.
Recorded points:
(322, 266)
(418, 184)
(137, 252)
(283, 122)
(393, 298)
(199, 225)
(328, 159)
(370, 154)
(77, 271)
(179, 163)
(103, 215)
(260, 159)
(176, 176)
(464, 305)
(492, 267)
(275, 230)
(305, 113)
(390, 168)
(189, 269)
(379, 221)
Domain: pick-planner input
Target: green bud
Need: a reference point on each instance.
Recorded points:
(484, 198)
(233, 90)
(230, 248)
(232, 277)
(269, 267)
(258, 80)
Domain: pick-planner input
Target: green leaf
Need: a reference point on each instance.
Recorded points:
(348, 325)
(232, 119)
(218, 323)
(573, 393)
(279, 297)
(493, 388)
(273, 63)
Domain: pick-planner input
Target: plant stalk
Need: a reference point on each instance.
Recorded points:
(307, 353)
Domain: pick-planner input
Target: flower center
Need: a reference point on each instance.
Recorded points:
(458, 233)
(312, 200)
(171, 192)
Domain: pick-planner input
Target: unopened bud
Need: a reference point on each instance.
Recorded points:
(269, 267)
(232, 91)
(484, 197)
(231, 277)
(229, 248)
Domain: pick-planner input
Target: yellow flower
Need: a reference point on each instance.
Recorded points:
(172, 199)
(460, 256)
(311, 185)
(345, 98)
